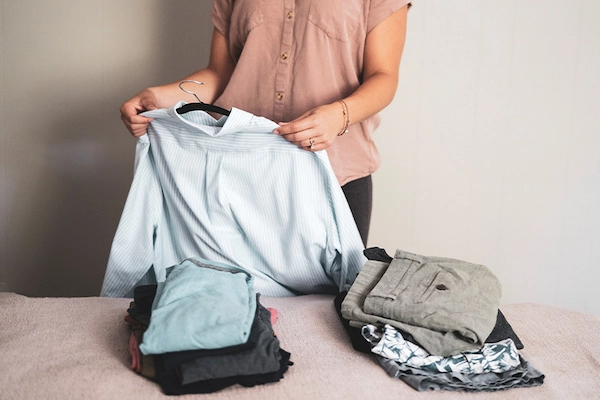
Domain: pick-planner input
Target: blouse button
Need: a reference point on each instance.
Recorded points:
(279, 96)
(290, 14)
(284, 56)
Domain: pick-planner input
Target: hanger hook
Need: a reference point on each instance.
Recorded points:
(189, 91)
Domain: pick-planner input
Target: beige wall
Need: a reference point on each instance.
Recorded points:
(66, 158)
(491, 149)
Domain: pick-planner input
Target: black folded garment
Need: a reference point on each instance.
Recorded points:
(377, 254)
(261, 359)
(144, 297)
(170, 383)
(503, 330)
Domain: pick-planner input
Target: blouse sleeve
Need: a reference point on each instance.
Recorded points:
(381, 9)
(221, 15)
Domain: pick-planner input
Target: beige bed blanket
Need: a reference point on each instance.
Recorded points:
(77, 348)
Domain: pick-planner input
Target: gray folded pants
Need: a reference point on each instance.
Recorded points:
(447, 305)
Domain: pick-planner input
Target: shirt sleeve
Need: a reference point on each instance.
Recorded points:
(132, 250)
(379, 10)
(221, 15)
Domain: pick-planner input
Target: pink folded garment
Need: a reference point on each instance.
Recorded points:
(274, 314)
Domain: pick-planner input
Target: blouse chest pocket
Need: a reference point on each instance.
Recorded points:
(338, 19)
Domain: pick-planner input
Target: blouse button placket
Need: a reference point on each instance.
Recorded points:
(282, 68)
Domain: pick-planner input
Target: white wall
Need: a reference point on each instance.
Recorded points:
(491, 149)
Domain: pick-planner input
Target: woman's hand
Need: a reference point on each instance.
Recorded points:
(318, 128)
(315, 129)
(216, 76)
(143, 101)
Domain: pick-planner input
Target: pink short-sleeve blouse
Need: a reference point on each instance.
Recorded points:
(294, 55)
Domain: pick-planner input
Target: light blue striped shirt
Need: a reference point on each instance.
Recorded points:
(232, 191)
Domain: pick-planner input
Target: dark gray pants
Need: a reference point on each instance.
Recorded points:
(359, 194)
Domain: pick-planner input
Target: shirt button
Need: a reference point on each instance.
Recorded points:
(279, 96)
(290, 14)
(284, 56)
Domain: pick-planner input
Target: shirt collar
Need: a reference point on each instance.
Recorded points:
(201, 120)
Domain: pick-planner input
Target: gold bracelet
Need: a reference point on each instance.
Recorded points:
(346, 118)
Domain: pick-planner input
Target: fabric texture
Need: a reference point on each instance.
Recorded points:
(525, 375)
(201, 305)
(296, 55)
(491, 357)
(231, 191)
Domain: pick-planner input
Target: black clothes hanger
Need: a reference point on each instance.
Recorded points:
(199, 106)
(202, 107)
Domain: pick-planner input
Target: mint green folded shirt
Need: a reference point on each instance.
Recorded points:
(201, 305)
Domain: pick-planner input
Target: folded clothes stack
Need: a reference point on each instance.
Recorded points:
(202, 330)
(434, 323)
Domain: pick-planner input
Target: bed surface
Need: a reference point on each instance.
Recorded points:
(77, 348)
